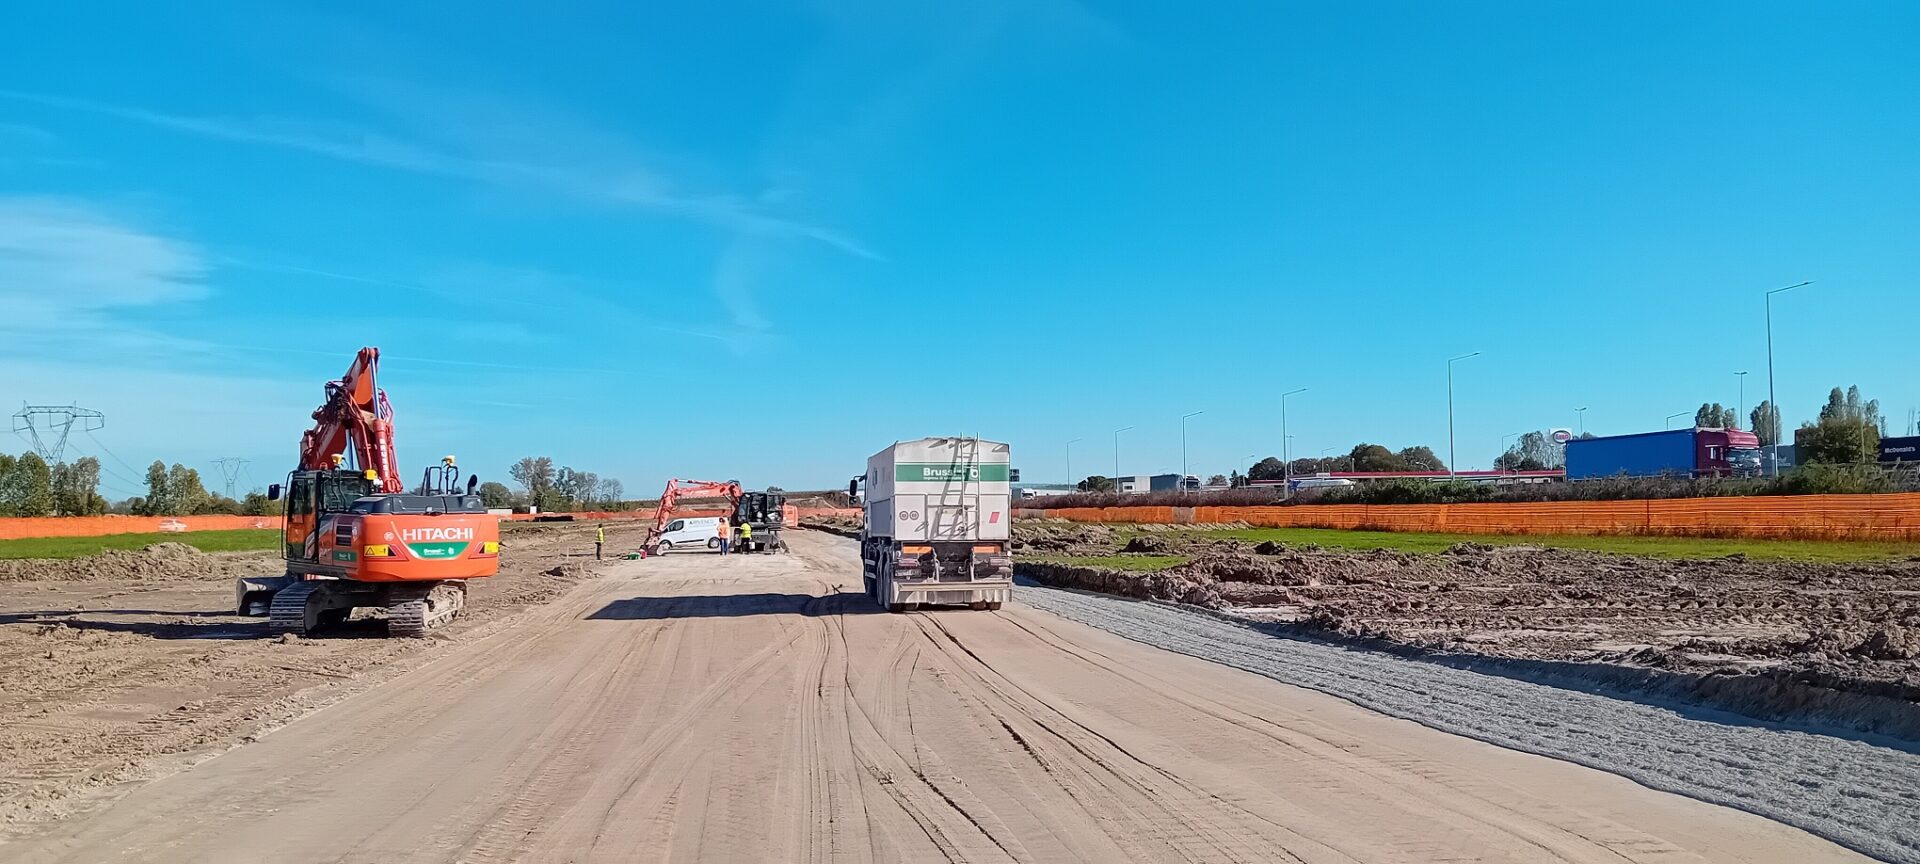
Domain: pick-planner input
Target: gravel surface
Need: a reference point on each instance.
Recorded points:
(1857, 794)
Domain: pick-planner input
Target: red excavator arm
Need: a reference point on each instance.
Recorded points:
(677, 489)
(356, 416)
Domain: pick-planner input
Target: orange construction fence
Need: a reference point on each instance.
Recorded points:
(1823, 517)
(15, 528)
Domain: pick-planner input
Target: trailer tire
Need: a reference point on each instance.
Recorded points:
(993, 605)
(897, 608)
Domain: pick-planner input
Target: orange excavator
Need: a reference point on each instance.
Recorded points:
(767, 512)
(354, 537)
(678, 489)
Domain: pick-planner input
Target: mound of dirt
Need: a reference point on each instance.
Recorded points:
(1169, 585)
(1144, 545)
(156, 563)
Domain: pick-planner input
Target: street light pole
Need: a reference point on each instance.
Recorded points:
(1183, 448)
(1581, 412)
(1286, 453)
(1453, 468)
(1773, 401)
(1070, 481)
(1503, 442)
(1742, 410)
(1673, 415)
(1116, 456)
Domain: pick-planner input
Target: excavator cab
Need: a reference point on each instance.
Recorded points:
(310, 497)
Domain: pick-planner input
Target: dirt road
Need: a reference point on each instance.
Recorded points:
(759, 709)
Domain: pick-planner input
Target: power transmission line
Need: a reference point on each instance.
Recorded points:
(230, 468)
(116, 457)
(58, 422)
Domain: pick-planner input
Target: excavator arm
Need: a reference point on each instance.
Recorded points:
(355, 418)
(677, 489)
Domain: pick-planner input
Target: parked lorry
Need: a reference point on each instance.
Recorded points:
(1700, 452)
(936, 527)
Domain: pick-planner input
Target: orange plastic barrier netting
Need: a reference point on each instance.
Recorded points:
(96, 526)
(1836, 517)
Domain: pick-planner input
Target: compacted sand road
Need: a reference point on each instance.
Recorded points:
(758, 708)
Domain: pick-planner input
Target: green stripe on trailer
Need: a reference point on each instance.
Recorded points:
(938, 472)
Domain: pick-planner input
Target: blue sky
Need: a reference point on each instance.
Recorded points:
(762, 241)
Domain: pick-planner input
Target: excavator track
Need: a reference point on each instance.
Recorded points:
(288, 611)
(412, 612)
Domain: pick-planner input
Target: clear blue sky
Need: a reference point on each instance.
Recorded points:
(762, 241)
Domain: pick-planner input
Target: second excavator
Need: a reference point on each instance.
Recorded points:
(353, 537)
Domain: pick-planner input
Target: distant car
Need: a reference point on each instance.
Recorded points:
(1322, 482)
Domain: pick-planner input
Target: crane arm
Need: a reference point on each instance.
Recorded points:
(356, 417)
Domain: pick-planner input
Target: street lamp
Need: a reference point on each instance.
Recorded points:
(1582, 413)
(1673, 415)
(1772, 400)
(1743, 395)
(1503, 442)
(1453, 472)
(1286, 455)
(1183, 448)
(1070, 481)
(1116, 456)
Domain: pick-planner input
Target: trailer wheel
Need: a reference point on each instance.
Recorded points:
(993, 605)
(897, 608)
(978, 605)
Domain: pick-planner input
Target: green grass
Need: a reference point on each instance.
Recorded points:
(1114, 562)
(241, 540)
(1659, 547)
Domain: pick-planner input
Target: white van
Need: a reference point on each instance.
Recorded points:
(698, 532)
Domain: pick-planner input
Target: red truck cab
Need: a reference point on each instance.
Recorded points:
(1726, 453)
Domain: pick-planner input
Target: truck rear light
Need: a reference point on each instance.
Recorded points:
(989, 549)
(915, 550)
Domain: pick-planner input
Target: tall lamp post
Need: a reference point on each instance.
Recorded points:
(1772, 400)
(1183, 447)
(1673, 415)
(1581, 412)
(1072, 483)
(1116, 456)
(1453, 471)
(1741, 411)
(1503, 442)
(1286, 452)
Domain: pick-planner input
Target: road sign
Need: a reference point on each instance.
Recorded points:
(1561, 436)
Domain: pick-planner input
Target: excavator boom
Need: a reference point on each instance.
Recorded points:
(678, 489)
(355, 420)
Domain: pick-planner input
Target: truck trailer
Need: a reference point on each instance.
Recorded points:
(936, 527)
(1701, 452)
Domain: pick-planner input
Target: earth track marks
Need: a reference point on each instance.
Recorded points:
(758, 708)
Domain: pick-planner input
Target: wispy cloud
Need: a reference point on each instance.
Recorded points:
(627, 186)
(64, 265)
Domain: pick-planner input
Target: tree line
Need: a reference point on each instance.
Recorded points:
(31, 487)
(553, 490)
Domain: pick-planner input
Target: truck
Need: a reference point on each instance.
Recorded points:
(1697, 452)
(936, 524)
